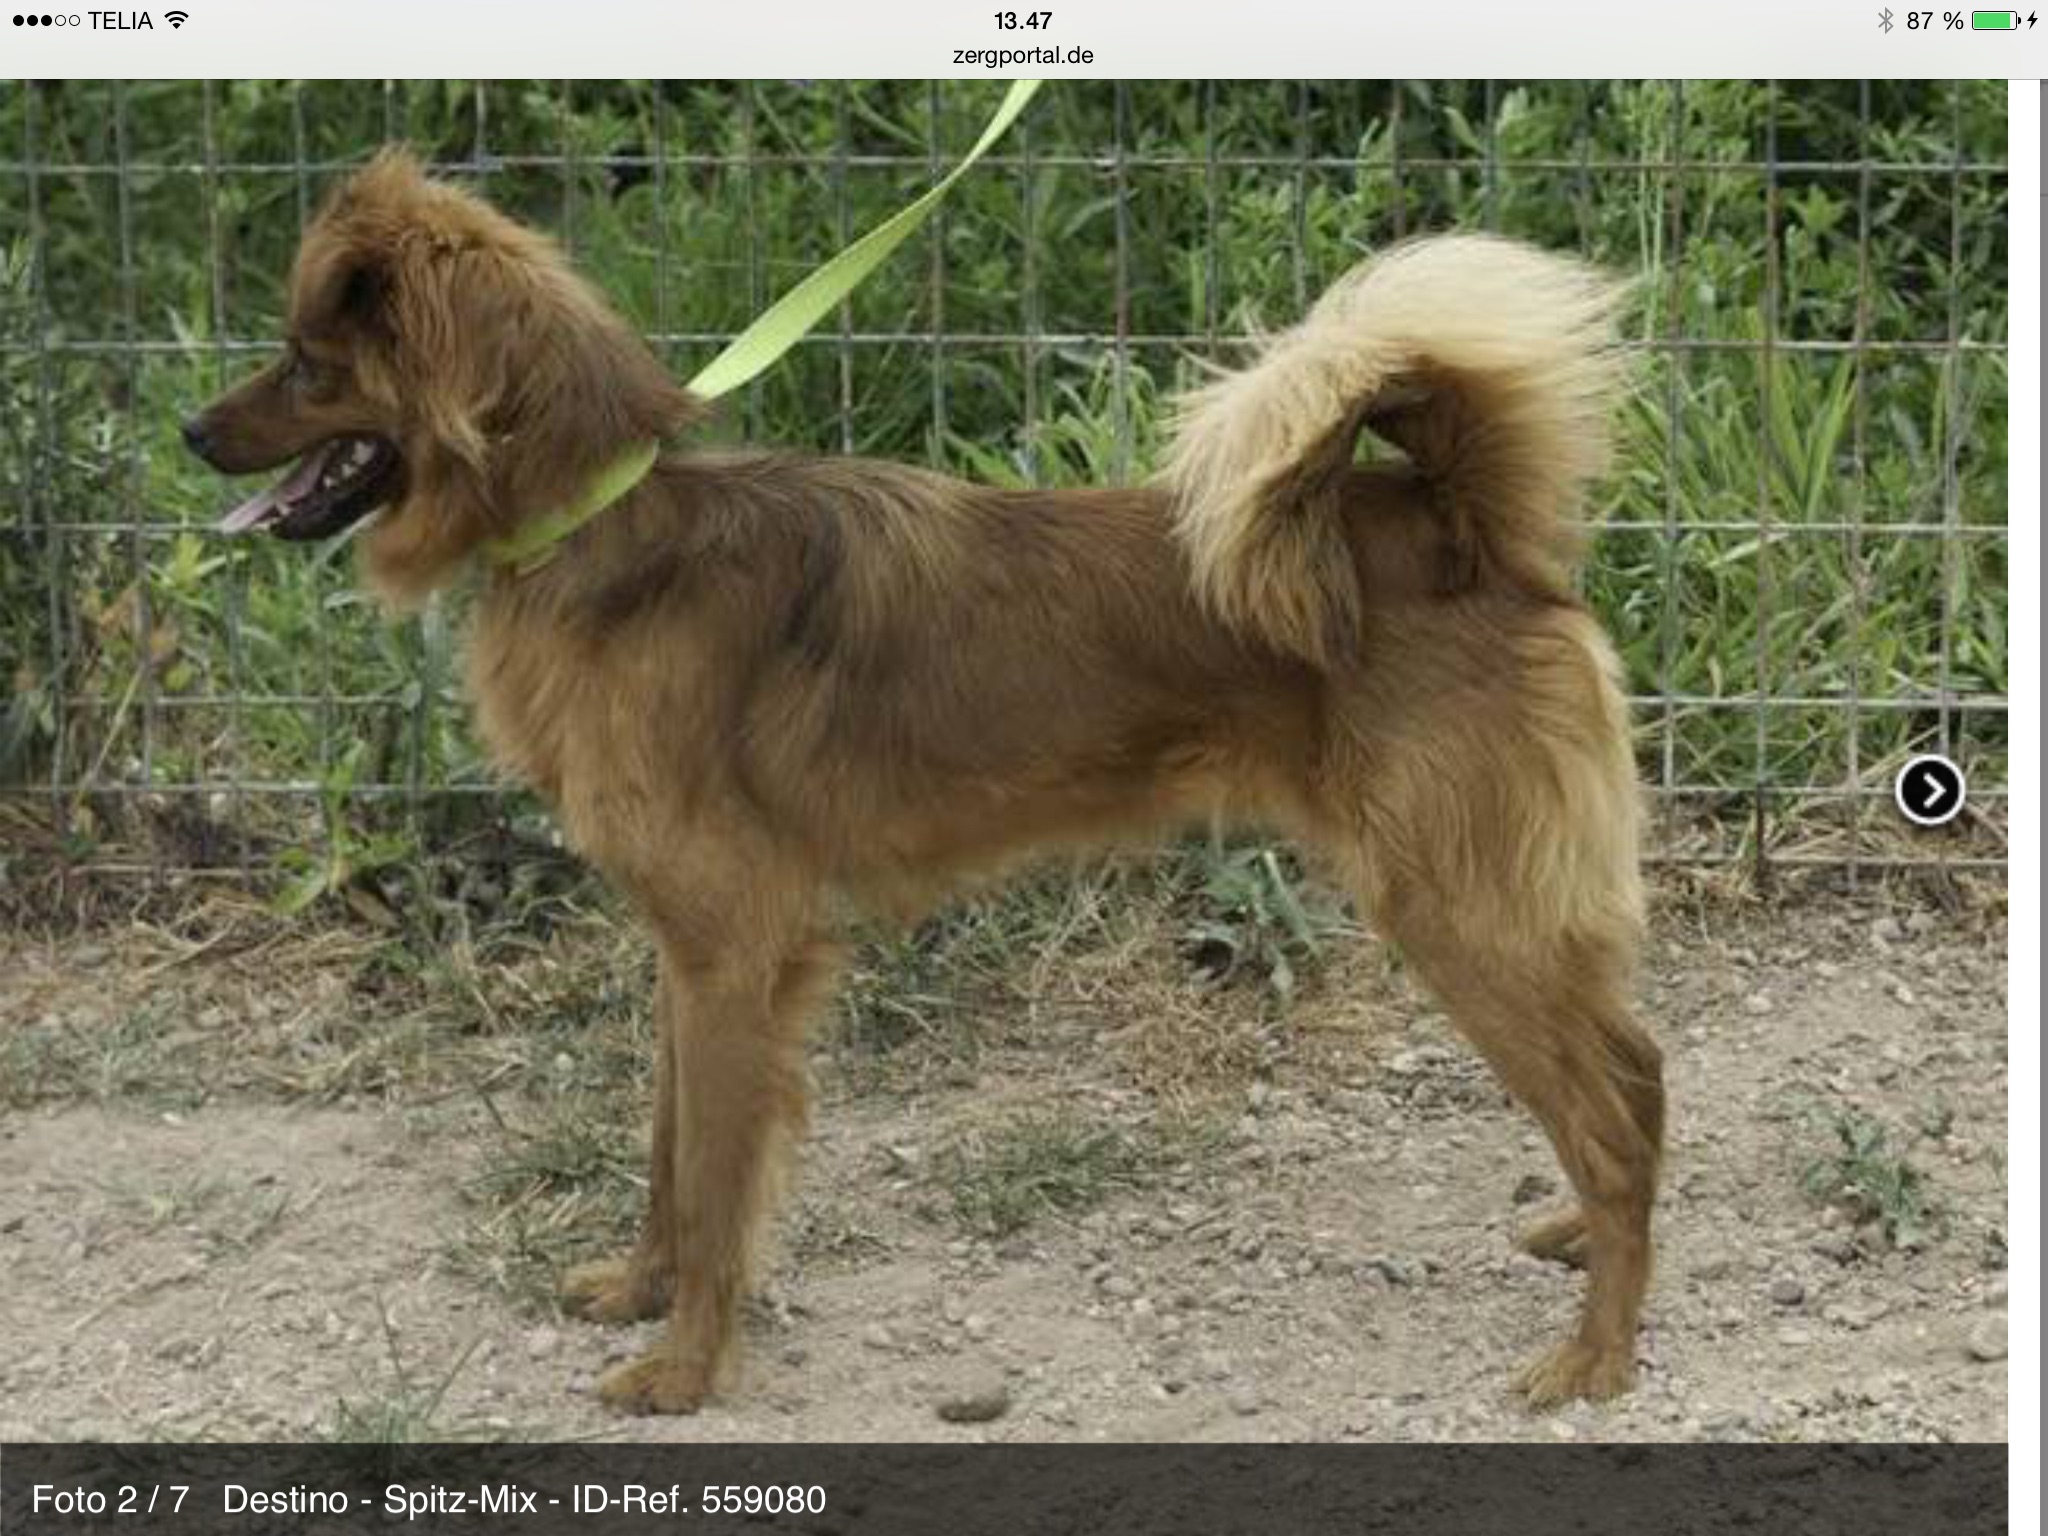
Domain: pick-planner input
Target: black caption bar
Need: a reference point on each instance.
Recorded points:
(966, 1490)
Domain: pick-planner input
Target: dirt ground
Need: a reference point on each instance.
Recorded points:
(229, 1208)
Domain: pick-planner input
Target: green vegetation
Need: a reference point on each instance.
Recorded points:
(1865, 1174)
(150, 225)
(406, 1410)
(1256, 917)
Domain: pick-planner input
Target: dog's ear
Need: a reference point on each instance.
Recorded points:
(520, 369)
(342, 289)
(345, 269)
(457, 319)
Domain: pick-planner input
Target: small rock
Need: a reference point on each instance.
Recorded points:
(1986, 1341)
(1533, 1187)
(1855, 1317)
(1886, 931)
(1392, 1270)
(1839, 1246)
(878, 1336)
(977, 1402)
(1757, 1004)
(542, 1342)
(1244, 1401)
(1876, 1389)
(1787, 1291)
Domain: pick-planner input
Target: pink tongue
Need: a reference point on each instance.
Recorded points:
(264, 505)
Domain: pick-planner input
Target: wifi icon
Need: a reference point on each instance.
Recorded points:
(176, 18)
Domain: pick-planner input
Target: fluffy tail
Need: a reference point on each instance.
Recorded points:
(1487, 362)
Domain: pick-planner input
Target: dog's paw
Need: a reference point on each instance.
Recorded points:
(612, 1291)
(656, 1383)
(1561, 1239)
(1576, 1369)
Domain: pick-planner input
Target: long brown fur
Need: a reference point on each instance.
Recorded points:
(765, 683)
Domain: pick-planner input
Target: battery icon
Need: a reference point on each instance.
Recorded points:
(1994, 21)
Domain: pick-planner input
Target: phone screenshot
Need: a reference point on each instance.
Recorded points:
(1100, 769)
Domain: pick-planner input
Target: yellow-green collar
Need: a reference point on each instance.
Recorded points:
(533, 543)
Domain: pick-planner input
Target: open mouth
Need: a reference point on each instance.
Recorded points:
(339, 482)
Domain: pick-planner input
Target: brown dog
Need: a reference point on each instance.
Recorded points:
(758, 682)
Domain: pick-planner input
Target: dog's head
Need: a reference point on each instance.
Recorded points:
(442, 364)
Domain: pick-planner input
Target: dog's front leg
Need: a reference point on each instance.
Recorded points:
(733, 1064)
(639, 1284)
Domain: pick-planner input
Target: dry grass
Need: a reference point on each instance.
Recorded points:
(1056, 1160)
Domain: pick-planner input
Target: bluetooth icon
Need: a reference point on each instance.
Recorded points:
(1884, 18)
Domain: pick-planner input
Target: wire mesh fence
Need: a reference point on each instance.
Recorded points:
(1803, 547)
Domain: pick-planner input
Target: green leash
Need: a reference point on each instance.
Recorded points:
(751, 353)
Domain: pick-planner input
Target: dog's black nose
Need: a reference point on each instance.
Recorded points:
(194, 433)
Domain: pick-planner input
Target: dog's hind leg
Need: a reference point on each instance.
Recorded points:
(1495, 827)
(1557, 1031)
